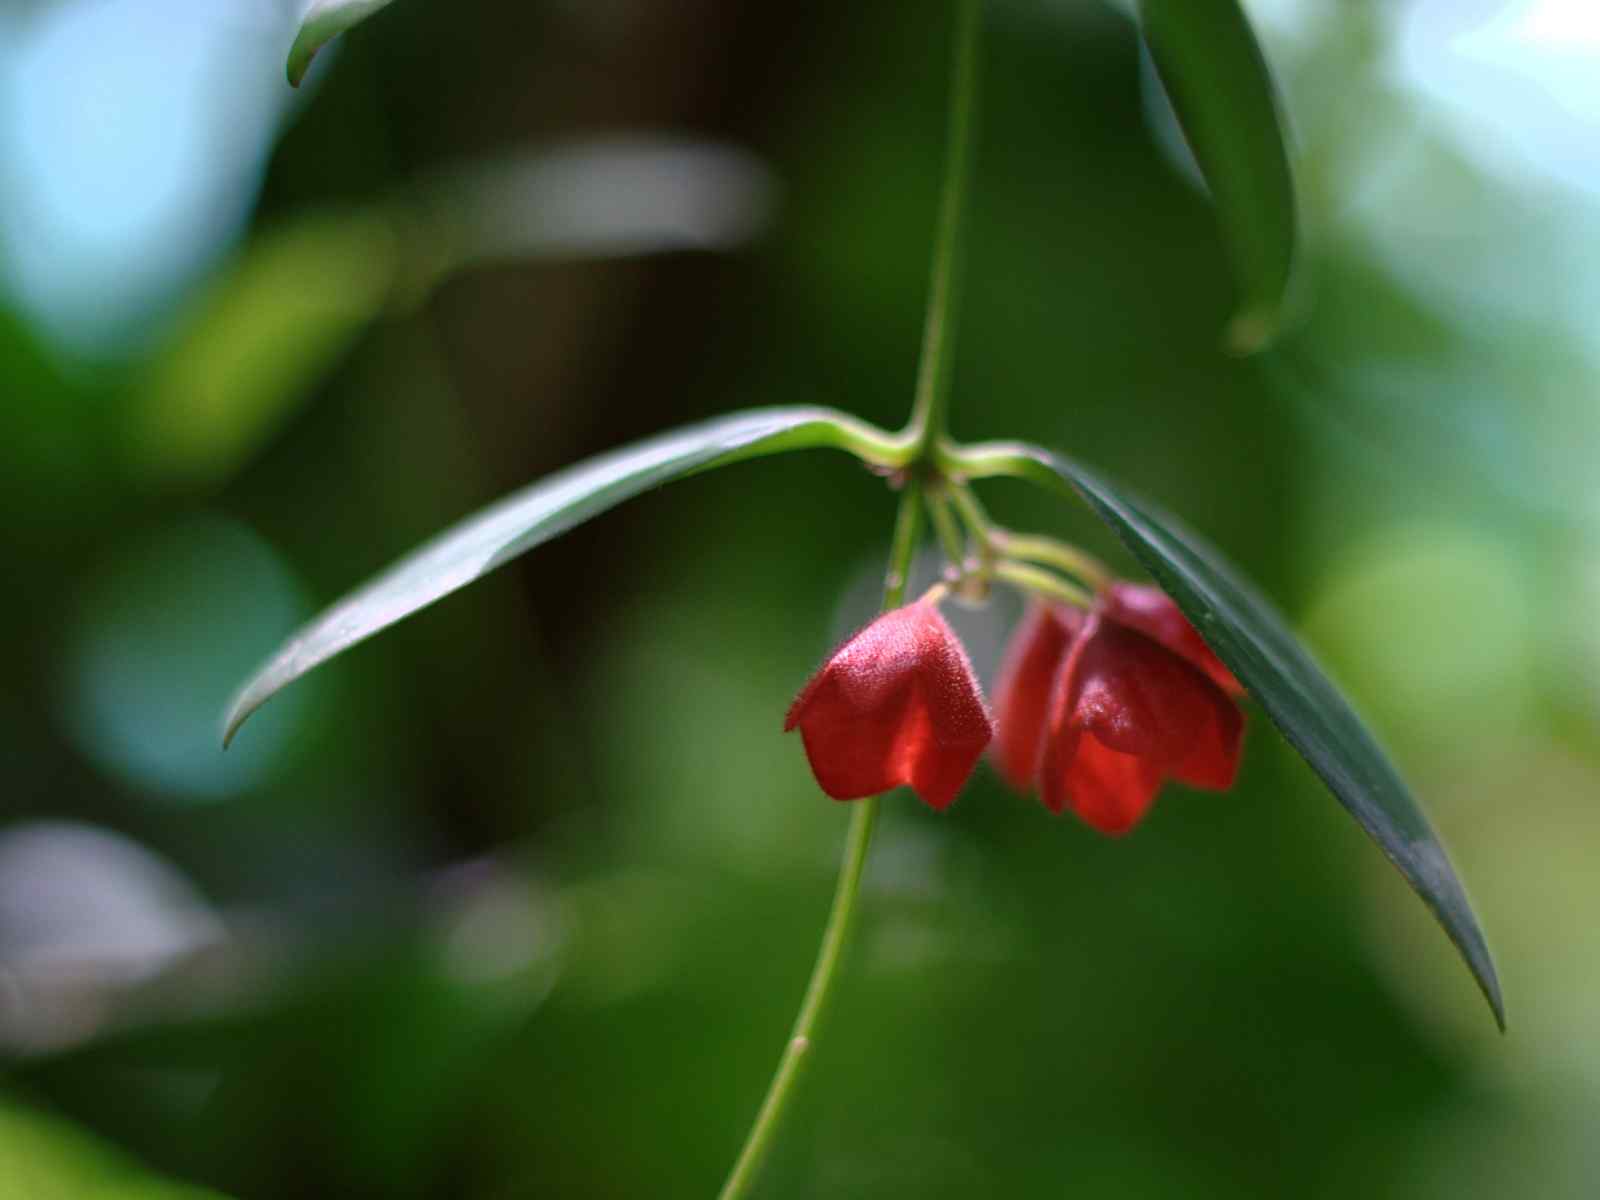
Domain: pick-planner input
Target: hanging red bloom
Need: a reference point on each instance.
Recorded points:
(896, 704)
(1128, 713)
(1098, 709)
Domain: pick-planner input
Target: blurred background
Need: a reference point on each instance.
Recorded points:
(518, 900)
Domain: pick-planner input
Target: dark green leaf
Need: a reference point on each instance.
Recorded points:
(534, 515)
(1213, 71)
(1254, 640)
(324, 21)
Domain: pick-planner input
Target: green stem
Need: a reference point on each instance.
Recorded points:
(877, 447)
(920, 443)
(1001, 460)
(955, 547)
(1042, 583)
(1056, 554)
(841, 916)
(907, 525)
(928, 410)
(977, 520)
(1033, 548)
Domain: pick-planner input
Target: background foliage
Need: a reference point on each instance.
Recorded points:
(519, 901)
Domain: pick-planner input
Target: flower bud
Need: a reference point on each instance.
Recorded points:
(1097, 710)
(898, 703)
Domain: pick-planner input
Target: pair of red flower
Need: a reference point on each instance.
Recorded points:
(1096, 709)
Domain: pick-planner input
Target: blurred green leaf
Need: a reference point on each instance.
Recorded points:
(42, 1158)
(533, 516)
(1250, 636)
(324, 21)
(258, 342)
(1222, 91)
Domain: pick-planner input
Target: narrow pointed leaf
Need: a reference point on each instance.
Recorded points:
(1207, 58)
(1256, 643)
(324, 21)
(536, 514)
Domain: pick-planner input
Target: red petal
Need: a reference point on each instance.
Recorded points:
(1022, 690)
(1126, 712)
(1153, 613)
(871, 665)
(896, 704)
(1214, 762)
(1110, 791)
(853, 753)
(958, 722)
(1138, 697)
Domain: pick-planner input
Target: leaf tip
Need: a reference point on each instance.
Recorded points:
(300, 56)
(1489, 983)
(239, 711)
(1255, 642)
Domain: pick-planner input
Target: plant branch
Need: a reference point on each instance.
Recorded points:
(1042, 583)
(929, 408)
(945, 526)
(972, 513)
(1050, 552)
(922, 441)
(841, 916)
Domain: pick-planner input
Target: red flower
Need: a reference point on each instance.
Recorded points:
(896, 704)
(1100, 709)
(1126, 714)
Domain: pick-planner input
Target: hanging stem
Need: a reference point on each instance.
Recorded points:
(1028, 547)
(945, 526)
(1041, 583)
(923, 433)
(977, 520)
(1056, 554)
(863, 819)
(928, 410)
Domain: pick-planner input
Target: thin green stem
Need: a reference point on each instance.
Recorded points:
(920, 443)
(955, 546)
(977, 520)
(1034, 548)
(877, 447)
(1042, 583)
(841, 917)
(999, 460)
(1052, 553)
(928, 410)
(907, 525)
